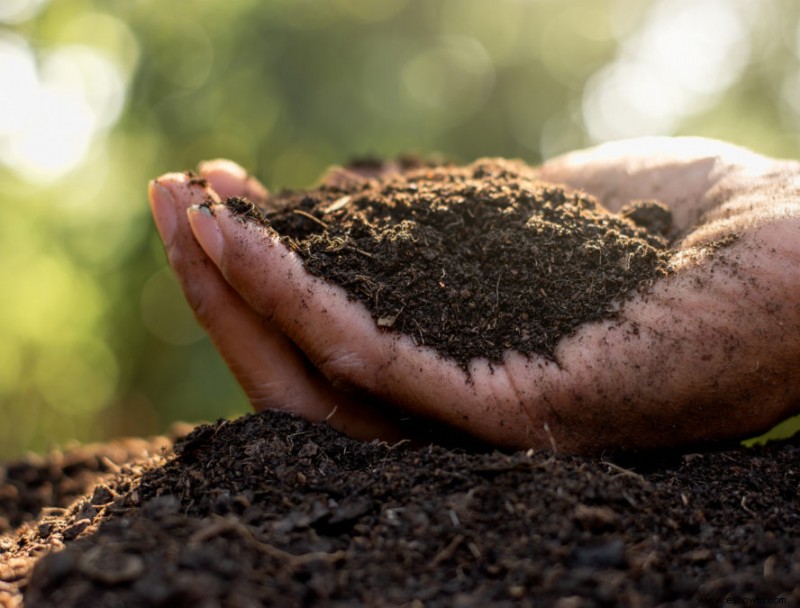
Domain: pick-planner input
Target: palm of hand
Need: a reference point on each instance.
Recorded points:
(709, 353)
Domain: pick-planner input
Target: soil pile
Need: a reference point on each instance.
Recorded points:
(56, 480)
(472, 260)
(271, 510)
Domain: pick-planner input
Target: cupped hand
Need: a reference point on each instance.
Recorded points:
(709, 353)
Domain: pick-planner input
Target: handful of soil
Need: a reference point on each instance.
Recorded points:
(472, 260)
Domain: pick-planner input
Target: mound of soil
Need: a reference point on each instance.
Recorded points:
(471, 260)
(271, 510)
(54, 481)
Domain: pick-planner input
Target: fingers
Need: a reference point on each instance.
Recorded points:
(635, 382)
(169, 197)
(228, 179)
(704, 355)
(340, 337)
(231, 324)
(268, 366)
(690, 174)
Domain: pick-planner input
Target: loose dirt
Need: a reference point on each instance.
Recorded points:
(472, 260)
(271, 510)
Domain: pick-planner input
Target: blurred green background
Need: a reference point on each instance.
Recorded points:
(98, 97)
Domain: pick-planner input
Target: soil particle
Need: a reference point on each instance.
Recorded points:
(653, 216)
(245, 209)
(196, 180)
(271, 510)
(472, 260)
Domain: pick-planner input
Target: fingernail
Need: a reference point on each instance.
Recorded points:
(207, 232)
(163, 206)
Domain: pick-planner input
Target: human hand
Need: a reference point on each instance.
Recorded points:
(709, 353)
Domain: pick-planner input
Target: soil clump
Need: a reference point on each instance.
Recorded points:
(472, 260)
(272, 510)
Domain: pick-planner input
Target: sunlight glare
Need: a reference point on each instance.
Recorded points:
(17, 11)
(54, 134)
(49, 117)
(20, 82)
(668, 69)
(81, 72)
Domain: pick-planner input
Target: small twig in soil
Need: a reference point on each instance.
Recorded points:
(476, 552)
(310, 217)
(221, 526)
(293, 435)
(551, 438)
(448, 551)
(336, 205)
(361, 251)
(393, 446)
(109, 464)
(623, 470)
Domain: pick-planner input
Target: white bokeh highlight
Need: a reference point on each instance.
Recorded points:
(676, 64)
(53, 107)
(17, 11)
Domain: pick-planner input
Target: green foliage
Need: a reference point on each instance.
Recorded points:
(95, 339)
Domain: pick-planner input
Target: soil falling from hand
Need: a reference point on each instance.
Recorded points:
(474, 260)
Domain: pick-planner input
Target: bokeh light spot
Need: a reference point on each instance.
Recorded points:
(191, 66)
(300, 165)
(575, 42)
(668, 69)
(17, 11)
(108, 34)
(77, 377)
(81, 72)
(370, 10)
(50, 299)
(51, 116)
(20, 83)
(10, 367)
(165, 312)
(456, 75)
(384, 92)
(502, 31)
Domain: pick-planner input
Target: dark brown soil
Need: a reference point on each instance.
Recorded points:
(54, 481)
(471, 260)
(270, 510)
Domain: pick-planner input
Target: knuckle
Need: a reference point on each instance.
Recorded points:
(344, 368)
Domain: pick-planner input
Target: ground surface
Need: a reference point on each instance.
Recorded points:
(271, 510)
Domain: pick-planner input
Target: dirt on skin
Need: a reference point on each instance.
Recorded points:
(271, 510)
(473, 260)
